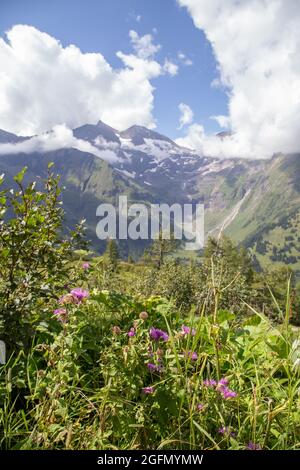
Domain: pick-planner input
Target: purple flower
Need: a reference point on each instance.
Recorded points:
(85, 265)
(148, 390)
(154, 368)
(157, 334)
(200, 406)
(131, 332)
(61, 314)
(192, 355)
(79, 294)
(225, 430)
(227, 393)
(210, 383)
(185, 330)
(223, 382)
(253, 446)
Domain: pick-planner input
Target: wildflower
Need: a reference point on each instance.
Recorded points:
(79, 294)
(200, 406)
(60, 311)
(225, 430)
(131, 332)
(85, 265)
(210, 383)
(143, 315)
(61, 314)
(148, 390)
(185, 330)
(157, 334)
(253, 446)
(227, 393)
(154, 368)
(66, 299)
(223, 383)
(116, 330)
(192, 355)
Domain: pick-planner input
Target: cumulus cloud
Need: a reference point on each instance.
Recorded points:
(44, 83)
(58, 138)
(256, 44)
(187, 115)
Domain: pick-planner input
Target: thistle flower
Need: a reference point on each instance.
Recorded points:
(131, 332)
(252, 446)
(227, 393)
(79, 294)
(154, 368)
(66, 299)
(223, 382)
(60, 311)
(148, 390)
(210, 383)
(157, 334)
(61, 314)
(193, 355)
(143, 315)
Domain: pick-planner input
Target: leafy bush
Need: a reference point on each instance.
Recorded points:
(34, 257)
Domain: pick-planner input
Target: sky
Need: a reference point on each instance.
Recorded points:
(188, 68)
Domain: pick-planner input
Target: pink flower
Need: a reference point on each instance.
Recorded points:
(148, 390)
(192, 355)
(85, 265)
(186, 331)
(131, 332)
(61, 314)
(79, 294)
(210, 383)
(227, 393)
(200, 406)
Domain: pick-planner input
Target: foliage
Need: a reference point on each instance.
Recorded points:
(170, 356)
(34, 256)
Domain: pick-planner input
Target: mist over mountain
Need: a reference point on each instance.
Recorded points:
(255, 202)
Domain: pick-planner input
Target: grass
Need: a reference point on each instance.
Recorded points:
(82, 384)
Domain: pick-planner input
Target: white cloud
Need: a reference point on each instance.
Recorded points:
(138, 18)
(170, 68)
(184, 59)
(193, 138)
(186, 116)
(143, 45)
(60, 137)
(43, 83)
(223, 121)
(256, 44)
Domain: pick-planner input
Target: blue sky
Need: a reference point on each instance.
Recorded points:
(103, 26)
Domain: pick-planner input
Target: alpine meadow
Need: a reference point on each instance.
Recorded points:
(149, 228)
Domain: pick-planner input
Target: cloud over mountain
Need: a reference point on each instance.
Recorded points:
(256, 44)
(44, 84)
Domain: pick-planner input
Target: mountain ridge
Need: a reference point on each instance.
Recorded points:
(241, 197)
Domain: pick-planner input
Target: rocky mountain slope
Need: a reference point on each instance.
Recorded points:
(256, 202)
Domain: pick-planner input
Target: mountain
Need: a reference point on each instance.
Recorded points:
(255, 202)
